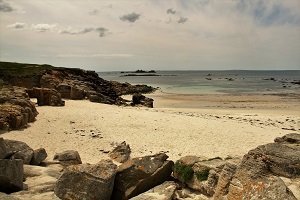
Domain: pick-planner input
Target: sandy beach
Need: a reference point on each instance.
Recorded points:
(224, 125)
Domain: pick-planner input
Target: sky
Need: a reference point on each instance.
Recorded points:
(112, 35)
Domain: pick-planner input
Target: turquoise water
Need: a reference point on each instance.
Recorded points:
(196, 82)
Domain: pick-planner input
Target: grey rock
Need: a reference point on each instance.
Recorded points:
(69, 157)
(165, 191)
(11, 175)
(289, 138)
(121, 153)
(39, 155)
(141, 174)
(87, 181)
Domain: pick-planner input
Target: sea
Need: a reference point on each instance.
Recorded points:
(214, 82)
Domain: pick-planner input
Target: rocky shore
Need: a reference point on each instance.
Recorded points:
(49, 85)
(270, 171)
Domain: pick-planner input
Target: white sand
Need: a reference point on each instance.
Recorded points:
(180, 132)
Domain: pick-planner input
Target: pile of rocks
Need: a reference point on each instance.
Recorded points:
(269, 171)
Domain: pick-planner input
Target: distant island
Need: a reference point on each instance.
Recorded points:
(140, 71)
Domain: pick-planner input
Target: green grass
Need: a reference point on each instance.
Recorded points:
(202, 175)
(184, 171)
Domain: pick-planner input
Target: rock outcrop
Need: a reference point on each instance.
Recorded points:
(46, 97)
(121, 153)
(141, 174)
(11, 175)
(71, 83)
(202, 174)
(16, 109)
(69, 157)
(87, 181)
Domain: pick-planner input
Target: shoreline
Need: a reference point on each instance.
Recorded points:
(212, 130)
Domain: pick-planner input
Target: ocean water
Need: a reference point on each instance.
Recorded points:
(210, 82)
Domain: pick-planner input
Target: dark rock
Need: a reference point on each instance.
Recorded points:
(39, 155)
(46, 96)
(165, 191)
(87, 181)
(19, 150)
(3, 149)
(11, 175)
(69, 157)
(141, 174)
(139, 99)
(121, 153)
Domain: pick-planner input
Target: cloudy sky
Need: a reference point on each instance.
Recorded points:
(106, 35)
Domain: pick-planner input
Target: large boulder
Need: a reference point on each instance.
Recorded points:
(69, 157)
(19, 150)
(46, 96)
(165, 191)
(139, 99)
(11, 175)
(121, 153)
(141, 174)
(87, 181)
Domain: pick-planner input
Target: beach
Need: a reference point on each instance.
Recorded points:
(179, 125)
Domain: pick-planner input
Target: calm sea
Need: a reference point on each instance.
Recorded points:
(207, 82)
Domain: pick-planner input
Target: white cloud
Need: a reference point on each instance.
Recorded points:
(17, 25)
(43, 27)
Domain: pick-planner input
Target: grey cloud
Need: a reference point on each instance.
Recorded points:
(17, 25)
(78, 32)
(132, 17)
(5, 7)
(171, 11)
(102, 31)
(182, 20)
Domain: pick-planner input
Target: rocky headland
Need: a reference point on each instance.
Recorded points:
(270, 171)
(49, 85)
